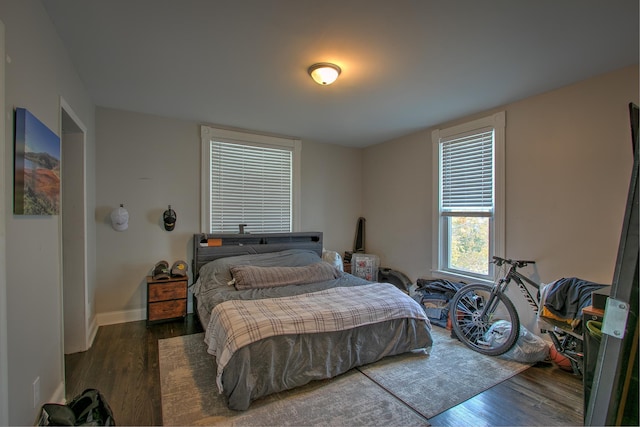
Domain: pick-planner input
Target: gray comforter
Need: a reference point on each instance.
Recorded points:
(283, 362)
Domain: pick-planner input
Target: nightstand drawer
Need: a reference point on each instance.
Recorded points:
(167, 309)
(167, 291)
(167, 299)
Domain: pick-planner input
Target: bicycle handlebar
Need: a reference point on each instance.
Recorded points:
(516, 263)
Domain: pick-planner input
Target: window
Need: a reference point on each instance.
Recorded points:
(249, 179)
(469, 193)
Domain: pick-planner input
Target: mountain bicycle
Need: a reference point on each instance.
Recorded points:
(476, 308)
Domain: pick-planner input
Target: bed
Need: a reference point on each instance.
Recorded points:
(276, 317)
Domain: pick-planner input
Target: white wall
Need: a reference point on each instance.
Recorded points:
(397, 203)
(331, 193)
(4, 386)
(568, 169)
(37, 75)
(148, 162)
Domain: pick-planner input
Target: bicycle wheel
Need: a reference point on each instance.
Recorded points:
(471, 326)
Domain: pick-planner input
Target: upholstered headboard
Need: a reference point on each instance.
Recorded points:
(209, 247)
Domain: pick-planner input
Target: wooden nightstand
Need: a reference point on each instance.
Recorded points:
(166, 299)
(346, 266)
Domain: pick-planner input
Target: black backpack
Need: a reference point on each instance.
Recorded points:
(89, 408)
(434, 296)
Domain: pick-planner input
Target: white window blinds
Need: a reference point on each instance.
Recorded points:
(250, 185)
(467, 173)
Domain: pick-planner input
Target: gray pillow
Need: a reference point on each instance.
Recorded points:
(254, 277)
(216, 274)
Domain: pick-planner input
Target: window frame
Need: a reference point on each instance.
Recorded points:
(208, 133)
(440, 237)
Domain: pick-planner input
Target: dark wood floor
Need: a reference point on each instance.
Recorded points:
(123, 365)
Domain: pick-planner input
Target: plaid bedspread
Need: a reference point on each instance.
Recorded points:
(237, 323)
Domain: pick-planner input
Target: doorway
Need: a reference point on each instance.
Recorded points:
(75, 295)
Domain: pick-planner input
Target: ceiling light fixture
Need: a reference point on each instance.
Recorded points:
(324, 73)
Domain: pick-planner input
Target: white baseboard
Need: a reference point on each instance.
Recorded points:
(113, 317)
(58, 395)
(93, 330)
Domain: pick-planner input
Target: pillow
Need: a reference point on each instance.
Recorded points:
(216, 274)
(253, 277)
(333, 258)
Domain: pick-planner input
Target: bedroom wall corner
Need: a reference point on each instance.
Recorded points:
(397, 203)
(332, 188)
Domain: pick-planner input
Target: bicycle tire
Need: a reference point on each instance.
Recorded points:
(470, 328)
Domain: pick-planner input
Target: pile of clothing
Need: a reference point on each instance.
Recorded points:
(564, 299)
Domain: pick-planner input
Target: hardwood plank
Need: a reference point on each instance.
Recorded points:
(123, 365)
(541, 395)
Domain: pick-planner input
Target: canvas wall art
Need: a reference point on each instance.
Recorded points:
(37, 167)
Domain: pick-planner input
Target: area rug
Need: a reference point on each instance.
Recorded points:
(449, 376)
(400, 390)
(190, 396)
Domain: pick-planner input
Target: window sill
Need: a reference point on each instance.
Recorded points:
(440, 274)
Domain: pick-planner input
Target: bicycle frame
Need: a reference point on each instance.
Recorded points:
(519, 279)
(500, 287)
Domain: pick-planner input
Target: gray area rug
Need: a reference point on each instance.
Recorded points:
(451, 374)
(401, 390)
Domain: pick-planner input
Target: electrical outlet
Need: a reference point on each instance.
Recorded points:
(36, 392)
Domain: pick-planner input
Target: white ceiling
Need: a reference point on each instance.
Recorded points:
(406, 64)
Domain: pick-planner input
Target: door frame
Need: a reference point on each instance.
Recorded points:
(4, 368)
(79, 262)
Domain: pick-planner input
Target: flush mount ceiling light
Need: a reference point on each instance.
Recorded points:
(324, 73)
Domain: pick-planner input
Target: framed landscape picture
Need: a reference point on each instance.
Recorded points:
(37, 167)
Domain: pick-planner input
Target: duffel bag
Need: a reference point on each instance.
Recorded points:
(89, 408)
